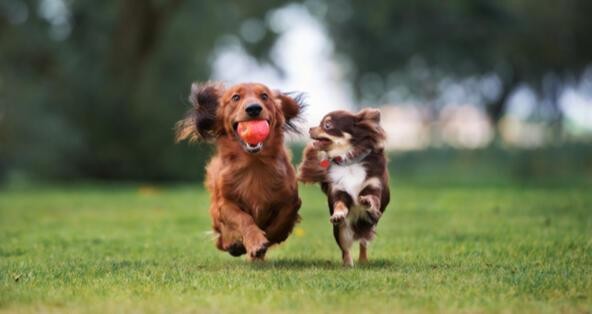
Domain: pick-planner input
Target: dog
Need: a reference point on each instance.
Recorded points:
(347, 158)
(253, 186)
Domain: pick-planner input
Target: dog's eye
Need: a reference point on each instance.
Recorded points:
(328, 125)
(264, 96)
(235, 97)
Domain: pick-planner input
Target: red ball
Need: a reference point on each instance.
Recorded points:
(253, 131)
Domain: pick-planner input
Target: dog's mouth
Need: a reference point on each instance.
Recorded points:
(321, 142)
(253, 147)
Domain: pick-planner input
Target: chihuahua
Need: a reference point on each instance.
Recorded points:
(347, 158)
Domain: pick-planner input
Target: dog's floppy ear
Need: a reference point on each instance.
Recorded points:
(200, 121)
(292, 106)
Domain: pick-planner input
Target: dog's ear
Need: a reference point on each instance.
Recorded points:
(200, 121)
(369, 119)
(369, 115)
(292, 105)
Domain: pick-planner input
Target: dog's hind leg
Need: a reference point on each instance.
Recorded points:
(363, 259)
(345, 239)
(282, 224)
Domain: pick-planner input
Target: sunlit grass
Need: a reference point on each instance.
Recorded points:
(472, 249)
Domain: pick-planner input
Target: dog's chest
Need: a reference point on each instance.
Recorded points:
(348, 178)
(260, 189)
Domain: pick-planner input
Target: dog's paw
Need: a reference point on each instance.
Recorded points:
(258, 253)
(338, 217)
(374, 215)
(368, 201)
(237, 249)
(348, 262)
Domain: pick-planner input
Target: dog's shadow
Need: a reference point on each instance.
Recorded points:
(301, 264)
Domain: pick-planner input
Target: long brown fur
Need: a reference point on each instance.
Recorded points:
(254, 196)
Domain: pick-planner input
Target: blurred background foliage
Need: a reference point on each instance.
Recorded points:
(541, 43)
(92, 89)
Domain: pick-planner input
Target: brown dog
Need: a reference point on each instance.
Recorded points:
(254, 193)
(347, 159)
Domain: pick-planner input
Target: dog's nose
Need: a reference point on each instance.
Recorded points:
(253, 110)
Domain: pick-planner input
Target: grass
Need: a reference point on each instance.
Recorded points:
(441, 248)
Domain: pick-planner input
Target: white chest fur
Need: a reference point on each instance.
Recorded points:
(348, 178)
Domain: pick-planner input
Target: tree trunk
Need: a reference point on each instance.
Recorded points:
(552, 93)
(497, 108)
(136, 35)
(134, 41)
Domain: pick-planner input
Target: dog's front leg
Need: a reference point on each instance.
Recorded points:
(370, 198)
(253, 237)
(341, 202)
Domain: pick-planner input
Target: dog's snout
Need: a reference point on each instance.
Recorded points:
(313, 131)
(253, 110)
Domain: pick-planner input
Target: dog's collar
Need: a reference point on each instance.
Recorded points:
(348, 159)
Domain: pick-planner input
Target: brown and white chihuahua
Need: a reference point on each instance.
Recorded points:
(347, 159)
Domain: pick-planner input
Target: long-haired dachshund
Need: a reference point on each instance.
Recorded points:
(347, 159)
(253, 187)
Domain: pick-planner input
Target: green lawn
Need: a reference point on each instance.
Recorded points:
(439, 249)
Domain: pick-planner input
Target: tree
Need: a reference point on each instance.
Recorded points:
(97, 86)
(520, 41)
